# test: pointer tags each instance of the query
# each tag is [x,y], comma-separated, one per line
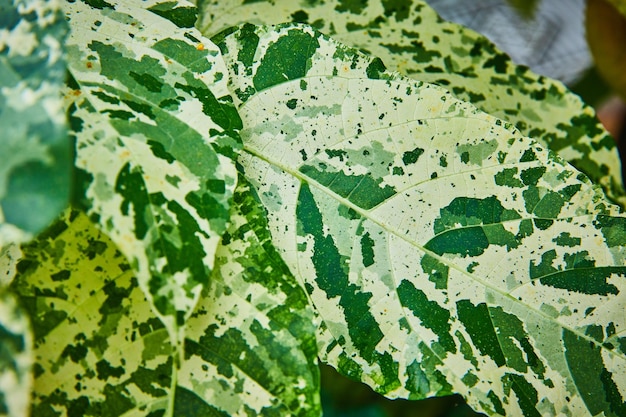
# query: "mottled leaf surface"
[35,168]
[410,37]
[443,251]
[155,136]
[101,351]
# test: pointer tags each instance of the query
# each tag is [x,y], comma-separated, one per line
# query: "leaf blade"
[413,219]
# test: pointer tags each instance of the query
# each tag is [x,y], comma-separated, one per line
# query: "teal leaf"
[100,350]
[36,161]
[156,132]
[411,38]
[441,249]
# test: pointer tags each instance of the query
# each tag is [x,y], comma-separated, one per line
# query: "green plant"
[271,195]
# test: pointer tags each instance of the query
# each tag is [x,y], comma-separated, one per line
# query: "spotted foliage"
[155,134]
[443,251]
[101,351]
[35,168]
[411,38]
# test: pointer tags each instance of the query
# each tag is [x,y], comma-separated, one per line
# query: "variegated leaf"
[101,351]
[443,251]
[15,358]
[156,133]
[35,167]
[410,37]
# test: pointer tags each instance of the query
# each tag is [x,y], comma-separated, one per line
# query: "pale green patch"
[35,168]
[432,278]
[150,104]
[411,38]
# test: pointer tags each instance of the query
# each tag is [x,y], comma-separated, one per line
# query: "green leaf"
[35,168]
[443,251]
[101,351]
[410,37]
[15,358]
[155,136]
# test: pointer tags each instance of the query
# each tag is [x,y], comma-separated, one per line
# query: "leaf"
[101,351]
[443,251]
[15,358]
[156,133]
[410,37]
[35,169]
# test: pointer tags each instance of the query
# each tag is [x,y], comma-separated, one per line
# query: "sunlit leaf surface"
[443,251]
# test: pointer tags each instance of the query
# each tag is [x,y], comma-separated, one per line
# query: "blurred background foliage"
[579,42]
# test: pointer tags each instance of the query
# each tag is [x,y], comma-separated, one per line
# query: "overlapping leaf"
[443,251]
[101,351]
[156,131]
[410,37]
[35,168]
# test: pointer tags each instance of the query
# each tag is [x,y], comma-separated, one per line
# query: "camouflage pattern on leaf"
[35,168]
[15,358]
[443,251]
[101,351]
[410,37]
[155,136]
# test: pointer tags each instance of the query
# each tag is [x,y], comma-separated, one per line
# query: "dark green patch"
[531,176]
[437,271]
[183,17]
[593,381]
[613,229]
[150,82]
[351,6]
[61,276]
[289,58]
[508,178]
[158,150]
[466,211]
[469,241]
[586,280]
[99,4]
[565,239]
[498,62]
[398,8]
[292,103]
[362,190]
[106,371]
[430,314]
[332,277]
[549,206]
[478,323]
[528,156]
[527,396]
[515,343]
[248,42]
[131,186]
[375,69]
[411,157]
[367,250]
